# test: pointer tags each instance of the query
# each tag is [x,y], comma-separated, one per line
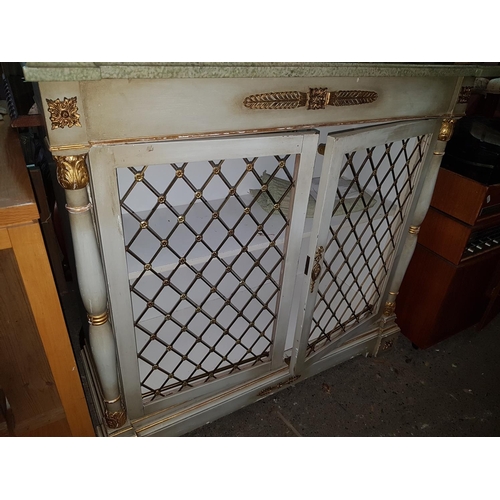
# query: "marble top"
[70,71]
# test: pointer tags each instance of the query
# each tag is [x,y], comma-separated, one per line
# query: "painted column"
[72,175]
[388,324]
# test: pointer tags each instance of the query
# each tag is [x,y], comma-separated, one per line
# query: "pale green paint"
[44,71]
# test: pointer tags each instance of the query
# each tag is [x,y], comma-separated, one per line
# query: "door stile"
[324,205]
[302,178]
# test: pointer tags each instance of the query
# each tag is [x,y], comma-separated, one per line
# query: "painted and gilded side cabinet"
[239,228]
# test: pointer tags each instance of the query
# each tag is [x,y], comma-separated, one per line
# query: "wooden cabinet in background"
[38,375]
[453,279]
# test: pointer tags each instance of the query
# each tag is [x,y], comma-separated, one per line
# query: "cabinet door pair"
[227,259]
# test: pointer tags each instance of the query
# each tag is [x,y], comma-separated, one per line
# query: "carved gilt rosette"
[72,171]
[63,113]
[388,344]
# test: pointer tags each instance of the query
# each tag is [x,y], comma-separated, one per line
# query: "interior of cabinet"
[206,244]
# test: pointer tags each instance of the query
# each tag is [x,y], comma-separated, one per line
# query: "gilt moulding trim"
[273,388]
[72,172]
[316,98]
[68,147]
[63,113]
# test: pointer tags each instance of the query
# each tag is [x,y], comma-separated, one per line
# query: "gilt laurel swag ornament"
[63,113]
[317,98]
[72,172]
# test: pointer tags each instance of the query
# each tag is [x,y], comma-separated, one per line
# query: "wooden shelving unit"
[38,373]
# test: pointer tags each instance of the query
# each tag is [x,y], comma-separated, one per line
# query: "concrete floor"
[451,389]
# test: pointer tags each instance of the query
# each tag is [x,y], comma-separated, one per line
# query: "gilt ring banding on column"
[111,401]
[78,210]
[97,320]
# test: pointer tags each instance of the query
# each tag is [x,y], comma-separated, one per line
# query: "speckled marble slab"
[71,71]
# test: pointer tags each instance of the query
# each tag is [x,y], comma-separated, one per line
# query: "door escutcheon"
[317,267]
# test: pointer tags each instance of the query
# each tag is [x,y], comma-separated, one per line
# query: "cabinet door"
[367,185]
[200,248]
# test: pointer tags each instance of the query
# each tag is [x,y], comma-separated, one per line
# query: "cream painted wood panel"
[126,109]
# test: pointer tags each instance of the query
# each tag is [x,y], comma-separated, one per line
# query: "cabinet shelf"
[164,220]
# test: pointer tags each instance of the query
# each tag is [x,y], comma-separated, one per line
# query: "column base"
[115,419]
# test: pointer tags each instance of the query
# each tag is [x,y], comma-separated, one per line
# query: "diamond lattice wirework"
[205,261]
[374,195]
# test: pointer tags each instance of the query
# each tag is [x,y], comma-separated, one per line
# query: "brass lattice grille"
[374,193]
[204,244]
